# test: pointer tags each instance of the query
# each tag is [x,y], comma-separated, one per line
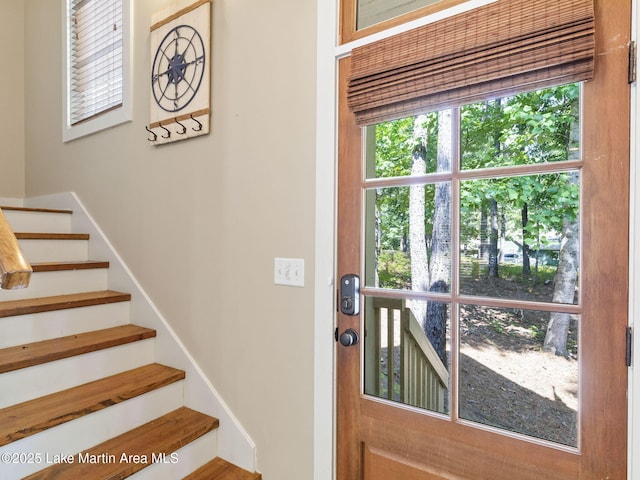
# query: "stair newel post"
[15,271]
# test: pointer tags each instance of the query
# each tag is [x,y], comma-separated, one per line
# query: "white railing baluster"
[391,357]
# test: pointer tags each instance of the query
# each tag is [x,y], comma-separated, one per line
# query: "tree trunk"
[484,235]
[435,326]
[503,234]
[417,241]
[526,261]
[564,290]
[493,225]
[440,265]
[493,240]
[555,340]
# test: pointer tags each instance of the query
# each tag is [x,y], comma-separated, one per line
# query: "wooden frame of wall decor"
[180,75]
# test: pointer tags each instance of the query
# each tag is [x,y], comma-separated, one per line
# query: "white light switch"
[288,271]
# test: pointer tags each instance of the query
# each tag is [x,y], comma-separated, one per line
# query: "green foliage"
[394,270]
[393,148]
[474,269]
[498,326]
[533,127]
[550,199]
[537,333]
[395,143]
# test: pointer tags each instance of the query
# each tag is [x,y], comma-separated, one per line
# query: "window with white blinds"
[97,44]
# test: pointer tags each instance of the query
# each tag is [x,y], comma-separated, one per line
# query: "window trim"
[343,48]
[114,116]
[349,14]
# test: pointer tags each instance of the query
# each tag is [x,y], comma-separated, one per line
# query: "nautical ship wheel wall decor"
[178,68]
[180,73]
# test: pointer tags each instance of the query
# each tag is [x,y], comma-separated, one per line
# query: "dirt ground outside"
[507,381]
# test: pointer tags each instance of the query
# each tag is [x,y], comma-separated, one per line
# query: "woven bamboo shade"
[502,48]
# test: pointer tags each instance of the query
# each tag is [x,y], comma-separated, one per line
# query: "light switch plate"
[288,271]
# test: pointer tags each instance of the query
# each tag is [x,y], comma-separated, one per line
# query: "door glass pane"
[407,352]
[371,12]
[519,237]
[507,380]
[410,146]
[408,244]
[534,127]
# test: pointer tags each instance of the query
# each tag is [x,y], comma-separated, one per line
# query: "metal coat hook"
[199,125]
[155,135]
[168,135]
[184,129]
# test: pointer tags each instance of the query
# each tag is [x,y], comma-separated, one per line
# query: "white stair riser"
[29,383]
[36,327]
[38,222]
[89,430]
[44,284]
[54,250]
[184,461]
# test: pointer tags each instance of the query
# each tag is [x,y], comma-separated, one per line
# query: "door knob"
[349,337]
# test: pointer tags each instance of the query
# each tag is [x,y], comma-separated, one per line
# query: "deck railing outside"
[15,271]
[402,365]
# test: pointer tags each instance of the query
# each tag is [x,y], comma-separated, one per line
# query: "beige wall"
[200,222]
[12,131]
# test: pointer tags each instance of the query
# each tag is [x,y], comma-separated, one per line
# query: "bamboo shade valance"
[495,50]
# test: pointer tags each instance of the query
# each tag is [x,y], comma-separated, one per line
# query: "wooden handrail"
[417,376]
[417,335]
[15,271]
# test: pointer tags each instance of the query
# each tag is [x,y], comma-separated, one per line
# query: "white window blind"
[95,58]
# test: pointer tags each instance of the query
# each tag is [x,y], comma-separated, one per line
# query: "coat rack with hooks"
[178,128]
[180,72]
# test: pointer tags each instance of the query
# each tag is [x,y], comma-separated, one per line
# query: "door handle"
[349,337]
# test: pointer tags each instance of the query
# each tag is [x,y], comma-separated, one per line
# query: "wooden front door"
[476,394]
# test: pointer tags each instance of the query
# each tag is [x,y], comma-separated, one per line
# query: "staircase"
[82,394]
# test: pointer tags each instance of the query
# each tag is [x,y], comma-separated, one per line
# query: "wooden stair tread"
[26,306]
[31,417]
[51,236]
[41,210]
[74,265]
[149,443]
[219,469]
[163,435]
[28,355]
